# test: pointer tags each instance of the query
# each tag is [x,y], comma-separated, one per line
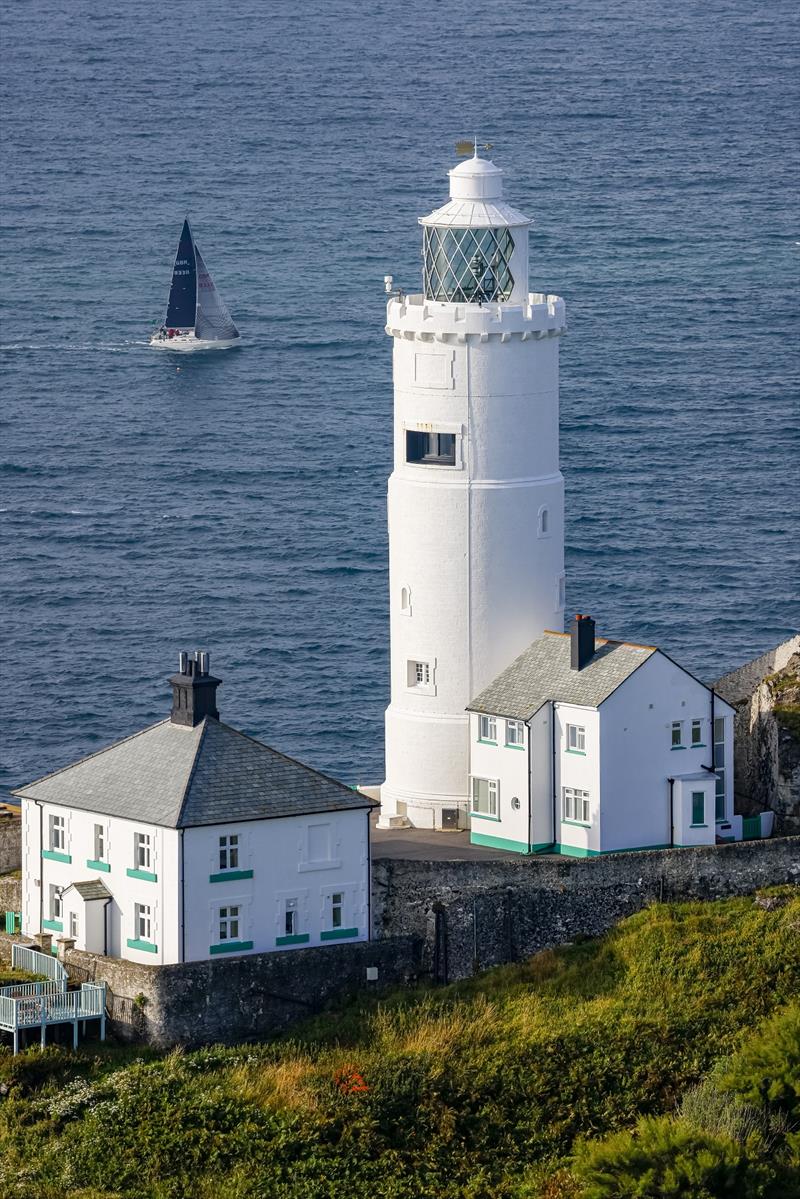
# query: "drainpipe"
[369,878]
[183,908]
[553,749]
[530,813]
[41,867]
[710,768]
[671,814]
[105,926]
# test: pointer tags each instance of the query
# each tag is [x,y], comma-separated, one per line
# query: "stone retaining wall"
[471,915]
[10,843]
[240,998]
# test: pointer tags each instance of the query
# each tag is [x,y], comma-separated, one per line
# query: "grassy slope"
[468,1086]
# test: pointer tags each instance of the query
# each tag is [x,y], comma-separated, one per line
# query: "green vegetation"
[662,1060]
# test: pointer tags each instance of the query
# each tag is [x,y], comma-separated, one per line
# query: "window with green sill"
[485,798]
[677,734]
[487,728]
[515,734]
[697,733]
[576,738]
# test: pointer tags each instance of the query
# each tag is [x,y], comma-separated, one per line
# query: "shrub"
[766,1070]
[666,1159]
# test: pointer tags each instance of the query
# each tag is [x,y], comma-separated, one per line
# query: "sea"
[236,502]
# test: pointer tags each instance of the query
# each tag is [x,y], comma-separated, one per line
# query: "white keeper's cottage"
[190,839]
[585,746]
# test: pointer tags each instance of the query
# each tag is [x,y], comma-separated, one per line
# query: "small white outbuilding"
[584,746]
[190,839]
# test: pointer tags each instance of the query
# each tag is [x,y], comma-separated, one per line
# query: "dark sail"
[183,293]
[213,319]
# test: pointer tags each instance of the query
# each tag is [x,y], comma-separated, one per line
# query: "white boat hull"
[187,343]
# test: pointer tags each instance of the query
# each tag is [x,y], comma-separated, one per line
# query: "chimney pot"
[194,690]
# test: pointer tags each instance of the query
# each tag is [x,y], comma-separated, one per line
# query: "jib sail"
[214,322]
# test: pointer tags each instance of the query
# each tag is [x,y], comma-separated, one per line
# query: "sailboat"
[197,318]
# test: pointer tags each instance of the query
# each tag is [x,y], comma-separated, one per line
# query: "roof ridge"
[190,779]
[96,754]
[286,757]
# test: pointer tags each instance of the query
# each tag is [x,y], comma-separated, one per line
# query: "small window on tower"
[405,601]
[420,676]
[430,449]
[544,522]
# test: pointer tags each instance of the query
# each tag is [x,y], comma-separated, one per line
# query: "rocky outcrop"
[766,696]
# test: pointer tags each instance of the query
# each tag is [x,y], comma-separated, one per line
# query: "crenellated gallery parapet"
[415,318]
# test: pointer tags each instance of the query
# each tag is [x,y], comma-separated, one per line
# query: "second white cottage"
[190,839]
[585,746]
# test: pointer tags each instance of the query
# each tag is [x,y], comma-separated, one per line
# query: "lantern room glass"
[468,266]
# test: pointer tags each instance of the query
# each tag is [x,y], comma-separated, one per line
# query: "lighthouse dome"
[476,199]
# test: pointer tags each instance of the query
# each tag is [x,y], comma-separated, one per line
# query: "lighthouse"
[476,497]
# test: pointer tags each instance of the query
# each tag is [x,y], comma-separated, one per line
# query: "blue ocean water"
[238,504]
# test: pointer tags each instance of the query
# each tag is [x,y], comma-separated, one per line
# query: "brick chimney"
[582,642]
[194,690]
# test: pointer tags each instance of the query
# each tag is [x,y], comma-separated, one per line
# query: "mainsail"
[183,293]
[213,319]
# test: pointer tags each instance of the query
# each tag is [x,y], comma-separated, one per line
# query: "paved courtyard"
[427,845]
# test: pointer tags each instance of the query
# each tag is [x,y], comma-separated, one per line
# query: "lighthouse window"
[544,522]
[467,265]
[431,449]
[420,676]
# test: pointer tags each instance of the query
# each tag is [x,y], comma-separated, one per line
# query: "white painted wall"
[464,539]
[509,766]
[277,852]
[686,831]
[580,771]
[636,754]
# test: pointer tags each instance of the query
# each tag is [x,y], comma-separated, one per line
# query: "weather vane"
[471,148]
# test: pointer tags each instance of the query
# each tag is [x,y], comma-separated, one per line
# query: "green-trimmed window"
[290,918]
[99,843]
[677,734]
[58,834]
[697,732]
[228,922]
[515,732]
[143,922]
[337,909]
[56,902]
[698,807]
[485,798]
[487,728]
[142,851]
[229,852]
[576,738]
[575,805]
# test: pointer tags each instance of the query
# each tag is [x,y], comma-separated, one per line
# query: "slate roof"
[180,777]
[542,673]
[93,888]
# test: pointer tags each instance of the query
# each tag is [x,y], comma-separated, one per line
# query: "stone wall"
[766,696]
[10,843]
[10,896]
[240,998]
[471,915]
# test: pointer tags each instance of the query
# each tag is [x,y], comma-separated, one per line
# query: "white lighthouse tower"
[476,498]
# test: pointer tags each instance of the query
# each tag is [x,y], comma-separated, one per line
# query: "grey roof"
[180,777]
[542,673]
[93,888]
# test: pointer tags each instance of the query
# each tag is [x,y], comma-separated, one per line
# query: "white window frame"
[142,851]
[492,798]
[696,727]
[576,738]
[56,902]
[515,732]
[229,851]
[420,675]
[229,922]
[337,901]
[676,726]
[73,924]
[58,833]
[99,843]
[143,922]
[291,916]
[487,729]
[576,806]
